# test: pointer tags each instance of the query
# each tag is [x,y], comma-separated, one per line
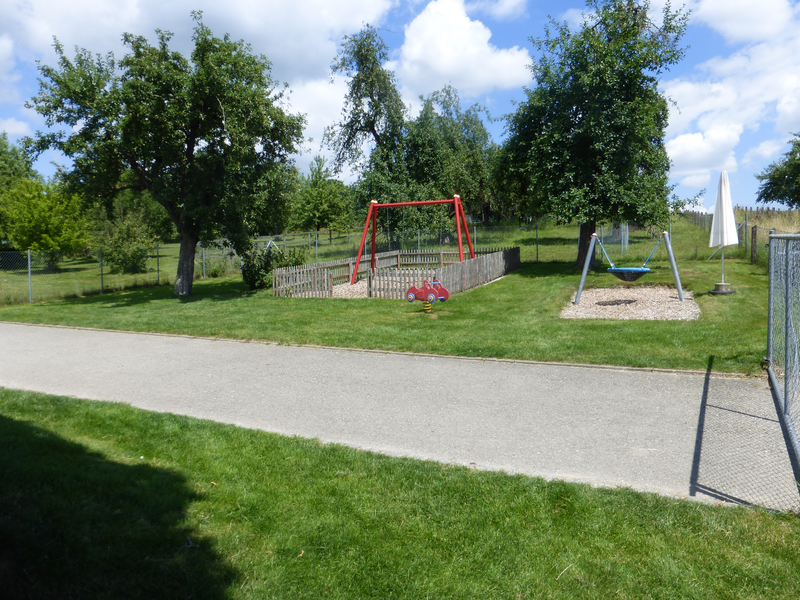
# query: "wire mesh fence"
[33,275]
[784,318]
[541,240]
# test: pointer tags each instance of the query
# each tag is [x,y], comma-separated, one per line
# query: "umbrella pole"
[723,264]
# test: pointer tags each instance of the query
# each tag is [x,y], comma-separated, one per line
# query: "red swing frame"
[372,215]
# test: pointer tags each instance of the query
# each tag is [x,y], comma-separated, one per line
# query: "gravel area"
[647,303]
[345,290]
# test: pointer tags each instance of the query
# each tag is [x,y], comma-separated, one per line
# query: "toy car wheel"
[410,297]
[431,297]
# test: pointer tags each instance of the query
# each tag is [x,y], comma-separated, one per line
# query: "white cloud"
[444,46]
[8,77]
[755,88]
[300,37]
[745,20]
[14,128]
[765,151]
[695,155]
[499,9]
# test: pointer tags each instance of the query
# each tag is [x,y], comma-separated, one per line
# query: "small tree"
[127,242]
[14,166]
[41,216]
[319,203]
[203,136]
[588,142]
[780,182]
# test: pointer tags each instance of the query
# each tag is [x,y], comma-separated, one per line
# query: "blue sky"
[737,91]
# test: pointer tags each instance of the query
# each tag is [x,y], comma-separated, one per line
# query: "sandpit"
[646,303]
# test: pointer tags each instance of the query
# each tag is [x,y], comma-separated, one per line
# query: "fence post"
[158,267]
[746,229]
[771,301]
[754,245]
[102,290]
[30,279]
[787,300]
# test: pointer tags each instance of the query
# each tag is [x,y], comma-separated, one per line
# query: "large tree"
[587,144]
[370,136]
[204,136]
[448,151]
[373,115]
[780,182]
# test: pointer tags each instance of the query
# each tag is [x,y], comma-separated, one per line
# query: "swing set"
[372,216]
[629,273]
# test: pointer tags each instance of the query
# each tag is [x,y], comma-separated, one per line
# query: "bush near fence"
[394,269]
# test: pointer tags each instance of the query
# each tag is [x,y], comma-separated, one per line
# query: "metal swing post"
[673,264]
[374,233]
[456,205]
[589,255]
[363,241]
[466,227]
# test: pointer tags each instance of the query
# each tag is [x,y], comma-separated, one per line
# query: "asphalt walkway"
[680,434]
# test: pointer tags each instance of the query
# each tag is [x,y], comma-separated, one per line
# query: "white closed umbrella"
[723,225]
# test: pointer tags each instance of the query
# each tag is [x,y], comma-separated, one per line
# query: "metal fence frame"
[782,338]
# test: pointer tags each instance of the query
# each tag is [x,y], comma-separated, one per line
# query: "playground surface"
[682,434]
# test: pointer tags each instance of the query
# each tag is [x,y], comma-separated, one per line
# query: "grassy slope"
[516,317]
[113,502]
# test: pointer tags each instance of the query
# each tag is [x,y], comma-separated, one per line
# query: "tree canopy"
[780,182]
[207,137]
[41,216]
[587,144]
[14,166]
[321,202]
[443,151]
[373,112]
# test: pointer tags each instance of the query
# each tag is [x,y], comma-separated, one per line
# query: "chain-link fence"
[33,275]
[784,318]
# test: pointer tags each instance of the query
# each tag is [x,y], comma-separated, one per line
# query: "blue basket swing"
[628,273]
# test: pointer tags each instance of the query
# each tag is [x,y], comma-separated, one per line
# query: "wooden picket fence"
[393,270]
[456,277]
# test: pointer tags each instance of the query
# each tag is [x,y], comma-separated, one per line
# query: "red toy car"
[429,292]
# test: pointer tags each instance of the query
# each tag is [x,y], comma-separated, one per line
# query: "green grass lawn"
[99,500]
[515,318]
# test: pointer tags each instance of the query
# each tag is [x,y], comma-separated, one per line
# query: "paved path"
[678,434]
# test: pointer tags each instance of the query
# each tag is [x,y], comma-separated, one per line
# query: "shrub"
[126,246]
[257,265]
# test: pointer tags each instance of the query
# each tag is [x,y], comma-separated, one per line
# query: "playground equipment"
[372,216]
[428,293]
[629,273]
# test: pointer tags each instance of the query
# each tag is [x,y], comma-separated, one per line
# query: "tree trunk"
[185,276]
[587,229]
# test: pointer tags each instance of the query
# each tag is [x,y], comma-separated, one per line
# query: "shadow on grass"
[76,525]
[209,290]
[548,269]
